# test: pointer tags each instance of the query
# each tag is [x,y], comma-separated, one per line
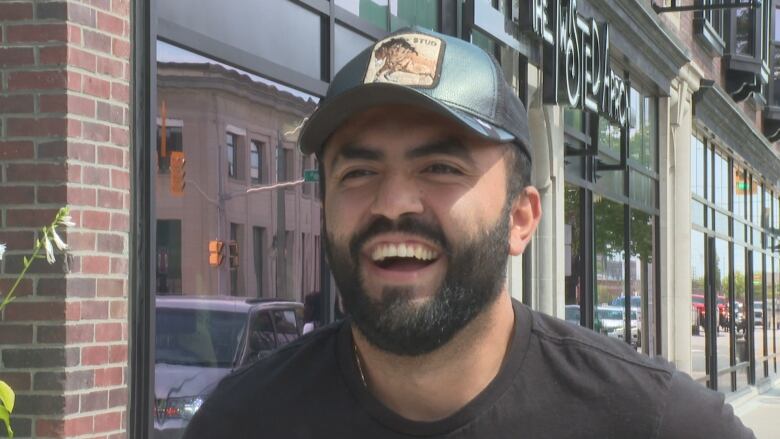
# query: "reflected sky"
[170,53]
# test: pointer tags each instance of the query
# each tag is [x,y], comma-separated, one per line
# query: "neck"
[435,385]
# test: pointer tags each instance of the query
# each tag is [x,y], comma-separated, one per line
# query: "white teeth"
[417,251]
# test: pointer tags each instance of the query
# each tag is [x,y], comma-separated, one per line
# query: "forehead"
[395,128]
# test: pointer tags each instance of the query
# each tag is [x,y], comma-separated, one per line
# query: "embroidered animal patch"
[407,59]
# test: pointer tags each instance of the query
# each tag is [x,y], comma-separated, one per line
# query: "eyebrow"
[445,147]
[439,147]
[357,152]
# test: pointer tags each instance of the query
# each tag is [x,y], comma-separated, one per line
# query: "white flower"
[67,221]
[2,250]
[49,250]
[58,242]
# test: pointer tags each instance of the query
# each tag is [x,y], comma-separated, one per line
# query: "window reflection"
[373,11]
[227,253]
[698,160]
[721,295]
[573,253]
[698,312]
[745,31]
[610,263]
[642,292]
[740,316]
[759,297]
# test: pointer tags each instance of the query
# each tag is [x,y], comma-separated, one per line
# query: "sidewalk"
[761,412]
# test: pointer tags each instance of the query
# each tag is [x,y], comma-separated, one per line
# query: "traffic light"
[177,173]
[216,253]
[233,254]
[741,185]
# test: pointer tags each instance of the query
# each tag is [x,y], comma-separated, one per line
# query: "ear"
[524,217]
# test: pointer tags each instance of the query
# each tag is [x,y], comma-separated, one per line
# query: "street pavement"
[761,412]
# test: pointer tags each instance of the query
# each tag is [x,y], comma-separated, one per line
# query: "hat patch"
[408,59]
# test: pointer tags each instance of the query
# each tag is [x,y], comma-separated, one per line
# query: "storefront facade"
[653,148]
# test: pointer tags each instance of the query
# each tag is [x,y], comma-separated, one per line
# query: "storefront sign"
[576,60]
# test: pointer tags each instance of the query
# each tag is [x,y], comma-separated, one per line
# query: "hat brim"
[337,110]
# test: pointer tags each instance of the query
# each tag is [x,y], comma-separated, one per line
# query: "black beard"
[476,271]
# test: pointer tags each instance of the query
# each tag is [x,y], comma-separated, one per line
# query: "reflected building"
[236,132]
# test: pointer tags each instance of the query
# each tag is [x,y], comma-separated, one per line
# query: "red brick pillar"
[64,140]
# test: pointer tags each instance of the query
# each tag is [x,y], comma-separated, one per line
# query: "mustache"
[411,225]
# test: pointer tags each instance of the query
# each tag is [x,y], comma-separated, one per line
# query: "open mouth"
[403,256]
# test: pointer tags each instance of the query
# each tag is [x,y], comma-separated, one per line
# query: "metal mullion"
[589,252]
[626,233]
[141,306]
[710,306]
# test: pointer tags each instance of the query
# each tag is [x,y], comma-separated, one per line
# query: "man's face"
[417,225]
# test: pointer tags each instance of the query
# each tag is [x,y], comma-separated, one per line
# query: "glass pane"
[610,181]
[745,31]
[722,297]
[649,134]
[482,40]
[573,252]
[698,313]
[423,13]
[373,11]
[609,137]
[741,191]
[636,127]
[697,166]
[740,314]
[173,142]
[219,246]
[759,297]
[697,213]
[573,118]
[255,27]
[348,44]
[720,176]
[721,223]
[642,294]
[642,189]
[610,268]
[755,201]
[739,231]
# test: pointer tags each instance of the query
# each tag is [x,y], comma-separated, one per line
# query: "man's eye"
[441,168]
[357,173]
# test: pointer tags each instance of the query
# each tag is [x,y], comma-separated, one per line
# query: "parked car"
[199,340]
[610,320]
[758,313]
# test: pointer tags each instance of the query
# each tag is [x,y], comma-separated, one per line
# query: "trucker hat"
[422,68]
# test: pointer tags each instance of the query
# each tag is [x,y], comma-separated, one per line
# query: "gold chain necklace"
[359,366]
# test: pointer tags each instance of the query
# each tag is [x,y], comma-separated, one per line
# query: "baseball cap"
[426,69]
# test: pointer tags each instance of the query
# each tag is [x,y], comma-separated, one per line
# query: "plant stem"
[36,250]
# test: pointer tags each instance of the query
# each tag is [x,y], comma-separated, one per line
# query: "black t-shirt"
[557,381]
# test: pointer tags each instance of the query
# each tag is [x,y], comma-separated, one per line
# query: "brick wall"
[64,118]
[711,66]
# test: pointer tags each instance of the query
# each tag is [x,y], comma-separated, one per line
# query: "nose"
[397,194]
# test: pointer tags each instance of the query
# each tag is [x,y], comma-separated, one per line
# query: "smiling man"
[425,164]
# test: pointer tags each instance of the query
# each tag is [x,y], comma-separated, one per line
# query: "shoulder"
[274,386]
[595,351]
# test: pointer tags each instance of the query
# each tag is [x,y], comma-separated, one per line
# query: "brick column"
[64,140]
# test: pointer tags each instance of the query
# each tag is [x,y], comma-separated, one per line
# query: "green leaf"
[7,396]
[26,261]
[5,416]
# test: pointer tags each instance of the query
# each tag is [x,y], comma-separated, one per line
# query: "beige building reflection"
[236,132]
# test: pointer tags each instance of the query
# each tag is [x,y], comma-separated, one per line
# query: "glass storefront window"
[740,316]
[759,316]
[373,11]
[741,189]
[722,297]
[720,180]
[220,247]
[642,283]
[755,201]
[609,137]
[642,130]
[423,13]
[698,160]
[643,189]
[574,119]
[698,312]
[573,239]
[610,263]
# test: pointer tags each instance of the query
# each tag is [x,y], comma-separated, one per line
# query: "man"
[425,167]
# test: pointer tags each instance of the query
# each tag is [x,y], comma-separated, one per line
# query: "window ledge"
[772,123]
[708,37]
